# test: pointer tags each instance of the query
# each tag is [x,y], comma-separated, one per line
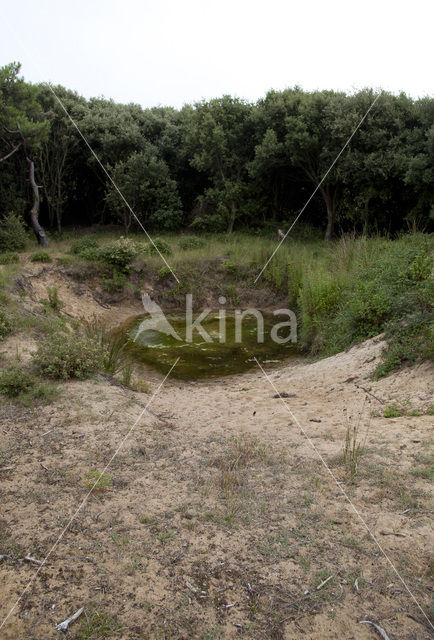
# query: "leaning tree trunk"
[34,211]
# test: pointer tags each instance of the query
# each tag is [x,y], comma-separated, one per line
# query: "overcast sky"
[171,52]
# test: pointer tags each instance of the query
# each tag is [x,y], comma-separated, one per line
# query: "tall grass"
[116,359]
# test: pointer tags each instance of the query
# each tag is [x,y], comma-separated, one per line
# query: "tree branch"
[11,153]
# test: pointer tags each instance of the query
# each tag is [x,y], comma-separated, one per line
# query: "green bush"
[120,253]
[229,266]
[162,246]
[361,287]
[53,301]
[67,355]
[191,242]
[115,284]
[83,244]
[40,256]
[91,254]
[9,258]
[14,381]
[409,340]
[318,302]
[420,268]
[42,393]
[392,411]
[13,235]
[5,324]
[164,272]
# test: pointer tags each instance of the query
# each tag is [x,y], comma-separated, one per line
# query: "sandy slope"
[217,498]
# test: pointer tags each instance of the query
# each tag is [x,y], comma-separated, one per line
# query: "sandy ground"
[219,519]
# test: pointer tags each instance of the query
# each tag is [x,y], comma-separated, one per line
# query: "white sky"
[175,51]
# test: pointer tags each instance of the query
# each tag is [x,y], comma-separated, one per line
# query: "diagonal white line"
[342,490]
[85,499]
[316,189]
[97,159]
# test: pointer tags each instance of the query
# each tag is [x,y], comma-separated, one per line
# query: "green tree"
[22,128]
[58,150]
[310,131]
[145,182]
[218,136]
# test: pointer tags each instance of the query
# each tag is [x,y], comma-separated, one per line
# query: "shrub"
[191,242]
[120,253]
[5,324]
[229,266]
[9,258]
[162,246]
[67,355]
[14,381]
[420,268]
[408,340]
[164,272]
[83,244]
[115,284]
[40,256]
[318,302]
[392,411]
[97,481]
[91,254]
[13,235]
[42,393]
[52,302]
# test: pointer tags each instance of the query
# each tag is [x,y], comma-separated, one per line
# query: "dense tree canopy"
[217,165]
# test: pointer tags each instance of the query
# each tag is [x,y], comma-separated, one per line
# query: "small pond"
[208,355]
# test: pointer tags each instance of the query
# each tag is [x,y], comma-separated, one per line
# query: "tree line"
[217,165]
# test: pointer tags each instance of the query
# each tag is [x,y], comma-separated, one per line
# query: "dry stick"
[323,583]
[63,626]
[32,560]
[380,630]
[371,394]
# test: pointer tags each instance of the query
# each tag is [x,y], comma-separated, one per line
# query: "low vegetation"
[68,355]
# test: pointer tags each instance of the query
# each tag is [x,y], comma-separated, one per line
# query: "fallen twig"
[63,626]
[284,394]
[324,582]
[7,468]
[32,560]
[380,630]
[190,586]
[359,386]
[393,533]
[424,624]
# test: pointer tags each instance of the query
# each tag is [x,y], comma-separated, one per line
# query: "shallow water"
[201,358]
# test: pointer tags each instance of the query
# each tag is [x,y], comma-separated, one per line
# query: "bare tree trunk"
[331,212]
[34,211]
[232,218]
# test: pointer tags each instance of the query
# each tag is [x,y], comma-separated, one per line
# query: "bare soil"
[219,519]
